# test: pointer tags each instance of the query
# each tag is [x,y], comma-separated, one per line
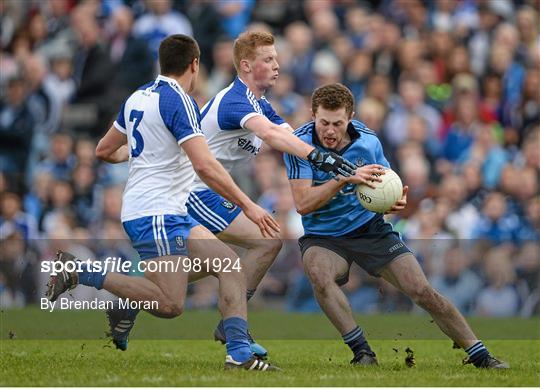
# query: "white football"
[385,194]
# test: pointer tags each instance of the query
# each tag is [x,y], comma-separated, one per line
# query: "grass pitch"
[38,348]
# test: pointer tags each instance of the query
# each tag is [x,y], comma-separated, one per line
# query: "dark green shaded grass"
[33,323]
[179,353]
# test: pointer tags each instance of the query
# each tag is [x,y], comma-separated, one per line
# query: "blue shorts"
[158,236]
[211,210]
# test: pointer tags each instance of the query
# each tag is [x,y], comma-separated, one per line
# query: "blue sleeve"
[235,110]
[379,154]
[180,115]
[271,114]
[297,168]
[120,122]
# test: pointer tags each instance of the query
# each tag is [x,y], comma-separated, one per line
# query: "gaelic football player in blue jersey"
[339,231]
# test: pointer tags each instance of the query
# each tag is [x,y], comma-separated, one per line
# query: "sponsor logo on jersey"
[245,144]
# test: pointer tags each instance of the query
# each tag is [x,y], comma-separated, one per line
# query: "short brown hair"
[247,43]
[176,53]
[332,97]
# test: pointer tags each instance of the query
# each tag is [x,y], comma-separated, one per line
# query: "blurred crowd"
[451,87]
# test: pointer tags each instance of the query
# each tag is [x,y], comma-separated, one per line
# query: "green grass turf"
[163,353]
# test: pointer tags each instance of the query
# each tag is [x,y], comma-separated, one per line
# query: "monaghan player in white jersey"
[236,122]
[158,131]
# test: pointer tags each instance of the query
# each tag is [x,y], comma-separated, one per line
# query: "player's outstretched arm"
[217,178]
[281,138]
[112,147]
[308,198]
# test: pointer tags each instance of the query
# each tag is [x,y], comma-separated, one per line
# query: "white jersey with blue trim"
[157,119]
[223,119]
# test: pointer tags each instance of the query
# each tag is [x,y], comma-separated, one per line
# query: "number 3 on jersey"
[137,142]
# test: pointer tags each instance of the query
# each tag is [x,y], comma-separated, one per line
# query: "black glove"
[331,163]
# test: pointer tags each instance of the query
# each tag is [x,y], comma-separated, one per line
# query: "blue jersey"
[343,213]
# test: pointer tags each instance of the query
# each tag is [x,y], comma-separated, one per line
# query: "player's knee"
[276,245]
[270,246]
[320,279]
[425,296]
[172,309]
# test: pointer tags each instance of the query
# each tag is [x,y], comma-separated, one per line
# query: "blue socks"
[477,353]
[356,341]
[90,278]
[237,339]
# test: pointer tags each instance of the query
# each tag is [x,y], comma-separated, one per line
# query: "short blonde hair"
[247,43]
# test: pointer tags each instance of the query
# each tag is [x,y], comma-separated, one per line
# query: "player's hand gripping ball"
[385,194]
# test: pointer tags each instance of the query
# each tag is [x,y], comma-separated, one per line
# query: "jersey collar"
[247,87]
[353,134]
[171,81]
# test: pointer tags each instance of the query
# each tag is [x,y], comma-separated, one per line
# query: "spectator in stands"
[458,282]
[496,224]
[293,108]
[427,238]
[300,38]
[16,129]
[93,70]
[207,28]
[13,216]
[513,76]
[462,216]
[160,21]
[61,207]
[357,72]
[11,268]
[528,111]
[36,201]
[57,14]
[385,58]
[131,57]
[411,102]
[234,15]
[499,297]
[59,81]
[527,264]
[480,41]
[415,171]
[45,107]
[61,161]
[460,135]
[372,113]
[223,71]
[84,194]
